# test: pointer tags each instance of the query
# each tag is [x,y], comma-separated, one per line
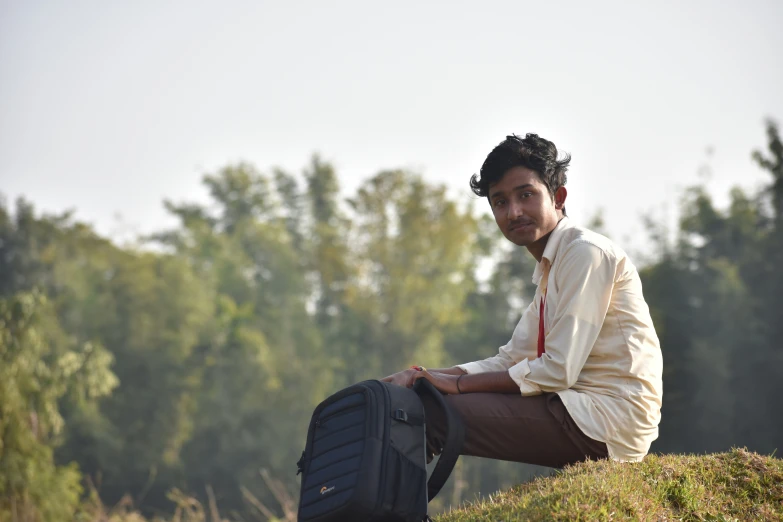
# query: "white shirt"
[602,354]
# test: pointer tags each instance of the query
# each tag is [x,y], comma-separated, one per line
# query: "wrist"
[458,378]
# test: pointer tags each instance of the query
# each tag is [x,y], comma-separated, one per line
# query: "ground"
[738,485]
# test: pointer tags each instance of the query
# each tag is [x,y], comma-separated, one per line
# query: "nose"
[515,210]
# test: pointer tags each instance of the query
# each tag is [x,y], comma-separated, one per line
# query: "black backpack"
[365,458]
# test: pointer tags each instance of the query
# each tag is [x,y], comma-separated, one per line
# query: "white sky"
[109,107]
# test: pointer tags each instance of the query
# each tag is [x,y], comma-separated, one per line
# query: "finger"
[415,376]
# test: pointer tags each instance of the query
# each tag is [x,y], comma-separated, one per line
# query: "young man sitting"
[581,376]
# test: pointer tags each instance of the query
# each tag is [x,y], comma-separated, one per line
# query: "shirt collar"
[550,251]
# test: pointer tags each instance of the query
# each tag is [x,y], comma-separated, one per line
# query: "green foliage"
[416,249]
[716,302]
[36,373]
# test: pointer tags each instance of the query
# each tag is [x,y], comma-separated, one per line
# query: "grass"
[738,485]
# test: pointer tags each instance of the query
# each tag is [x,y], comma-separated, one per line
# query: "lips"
[518,226]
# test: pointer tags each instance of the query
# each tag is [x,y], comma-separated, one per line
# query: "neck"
[537,249]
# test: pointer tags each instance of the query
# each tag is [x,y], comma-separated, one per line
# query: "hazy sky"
[109,107]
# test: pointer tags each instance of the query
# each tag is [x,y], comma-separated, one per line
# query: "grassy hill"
[738,485]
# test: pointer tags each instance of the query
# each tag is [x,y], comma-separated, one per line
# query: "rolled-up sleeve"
[584,278]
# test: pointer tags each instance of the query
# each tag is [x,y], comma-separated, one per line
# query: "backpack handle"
[455,437]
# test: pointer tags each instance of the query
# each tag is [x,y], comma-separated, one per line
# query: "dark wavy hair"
[532,152]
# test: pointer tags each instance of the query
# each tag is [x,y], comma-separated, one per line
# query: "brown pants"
[534,430]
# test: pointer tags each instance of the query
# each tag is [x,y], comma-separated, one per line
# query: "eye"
[527,194]
[499,202]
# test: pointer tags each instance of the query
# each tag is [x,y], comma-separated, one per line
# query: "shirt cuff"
[518,372]
[472,367]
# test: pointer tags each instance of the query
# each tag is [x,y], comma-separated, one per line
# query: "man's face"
[523,208]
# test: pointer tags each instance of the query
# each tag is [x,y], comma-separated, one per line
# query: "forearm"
[488,382]
[454,370]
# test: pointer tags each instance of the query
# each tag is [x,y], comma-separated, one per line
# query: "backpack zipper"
[386,443]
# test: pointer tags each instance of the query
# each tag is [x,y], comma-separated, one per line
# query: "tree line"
[191,362]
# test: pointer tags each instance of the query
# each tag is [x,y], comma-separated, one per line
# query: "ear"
[560,198]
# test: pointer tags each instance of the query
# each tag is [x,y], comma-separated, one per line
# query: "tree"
[715,299]
[259,356]
[36,373]
[414,249]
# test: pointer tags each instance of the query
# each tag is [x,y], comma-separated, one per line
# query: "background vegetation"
[186,367]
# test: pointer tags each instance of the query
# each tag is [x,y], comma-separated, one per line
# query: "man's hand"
[404,378]
[443,382]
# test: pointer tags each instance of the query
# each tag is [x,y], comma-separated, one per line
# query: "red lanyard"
[541,336]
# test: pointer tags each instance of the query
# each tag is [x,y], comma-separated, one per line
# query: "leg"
[534,430]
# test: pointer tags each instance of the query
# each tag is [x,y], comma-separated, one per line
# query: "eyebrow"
[519,187]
